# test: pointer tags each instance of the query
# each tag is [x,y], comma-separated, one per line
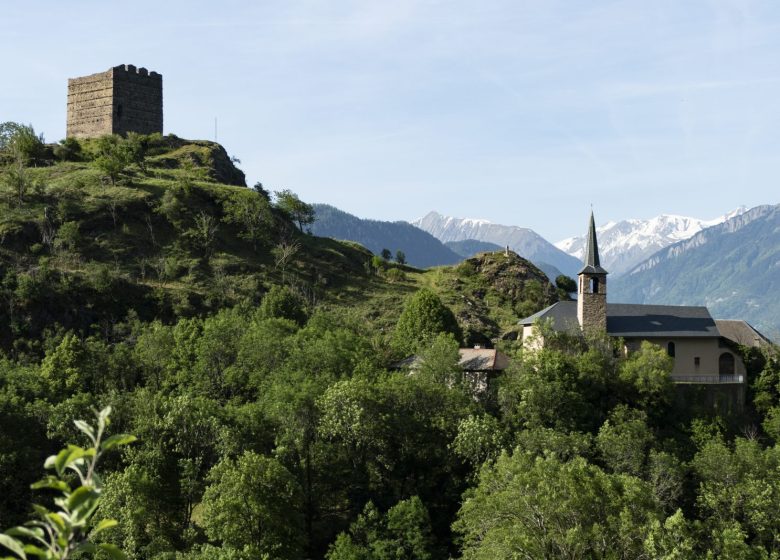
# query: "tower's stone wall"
[121,100]
[592,306]
[91,105]
[138,103]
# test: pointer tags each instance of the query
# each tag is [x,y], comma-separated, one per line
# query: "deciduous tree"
[299,212]
[254,502]
[424,316]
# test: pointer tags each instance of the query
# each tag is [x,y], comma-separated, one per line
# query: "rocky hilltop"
[525,242]
[490,291]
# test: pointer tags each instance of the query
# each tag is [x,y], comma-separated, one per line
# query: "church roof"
[742,332]
[636,321]
[592,263]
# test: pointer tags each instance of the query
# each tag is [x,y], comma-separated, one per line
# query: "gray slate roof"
[632,320]
[592,262]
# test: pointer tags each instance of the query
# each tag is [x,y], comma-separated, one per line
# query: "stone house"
[479,365]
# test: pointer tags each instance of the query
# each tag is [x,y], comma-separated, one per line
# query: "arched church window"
[594,285]
[726,364]
[670,349]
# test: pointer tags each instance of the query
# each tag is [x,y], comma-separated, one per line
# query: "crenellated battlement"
[131,69]
[120,100]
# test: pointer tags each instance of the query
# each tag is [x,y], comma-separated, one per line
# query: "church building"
[704,350]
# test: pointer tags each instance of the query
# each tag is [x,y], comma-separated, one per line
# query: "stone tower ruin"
[120,100]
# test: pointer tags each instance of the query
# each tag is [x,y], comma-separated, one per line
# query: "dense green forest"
[253,363]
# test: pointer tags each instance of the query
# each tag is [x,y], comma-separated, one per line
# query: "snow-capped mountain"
[525,242]
[733,268]
[624,244]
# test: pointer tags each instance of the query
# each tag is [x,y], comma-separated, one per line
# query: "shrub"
[68,150]
[21,143]
[395,275]
[281,303]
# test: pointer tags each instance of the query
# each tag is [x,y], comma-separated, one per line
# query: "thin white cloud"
[652,89]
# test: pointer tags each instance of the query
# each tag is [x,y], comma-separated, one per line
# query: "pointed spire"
[592,252]
[592,264]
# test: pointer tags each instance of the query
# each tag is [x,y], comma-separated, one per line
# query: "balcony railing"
[708,379]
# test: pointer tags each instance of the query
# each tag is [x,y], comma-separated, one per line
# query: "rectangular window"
[696,362]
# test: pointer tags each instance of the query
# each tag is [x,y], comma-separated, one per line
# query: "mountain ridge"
[524,241]
[625,243]
[420,248]
[733,268]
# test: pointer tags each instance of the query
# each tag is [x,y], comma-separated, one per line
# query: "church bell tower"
[592,286]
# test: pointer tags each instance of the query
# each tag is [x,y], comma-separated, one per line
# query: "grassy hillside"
[175,233]
[252,363]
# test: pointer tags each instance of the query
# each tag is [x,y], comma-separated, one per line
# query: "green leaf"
[85,428]
[103,418]
[81,464]
[36,533]
[57,520]
[117,440]
[86,547]
[36,551]
[104,524]
[113,551]
[52,483]
[13,545]
[67,456]
[82,501]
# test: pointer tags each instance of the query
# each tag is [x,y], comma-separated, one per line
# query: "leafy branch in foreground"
[69,529]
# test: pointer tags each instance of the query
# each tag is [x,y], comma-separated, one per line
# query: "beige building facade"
[704,350]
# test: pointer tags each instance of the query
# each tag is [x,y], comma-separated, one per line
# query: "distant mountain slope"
[733,268]
[624,244]
[421,249]
[525,242]
[470,247]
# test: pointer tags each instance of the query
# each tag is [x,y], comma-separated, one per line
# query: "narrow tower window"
[119,111]
[594,285]
[670,349]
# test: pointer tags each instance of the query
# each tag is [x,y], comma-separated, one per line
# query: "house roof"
[636,321]
[563,316]
[471,359]
[592,262]
[482,359]
[741,332]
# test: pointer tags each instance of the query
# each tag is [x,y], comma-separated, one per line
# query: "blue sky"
[524,113]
